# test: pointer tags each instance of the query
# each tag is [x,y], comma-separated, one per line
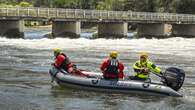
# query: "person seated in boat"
[63,63]
[112,68]
[143,67]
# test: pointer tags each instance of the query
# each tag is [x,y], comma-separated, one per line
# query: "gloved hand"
[146,70]
[161,73]
[74,66]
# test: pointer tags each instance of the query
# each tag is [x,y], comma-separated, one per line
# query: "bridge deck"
[57,13]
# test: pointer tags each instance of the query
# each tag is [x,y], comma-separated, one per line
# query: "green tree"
[118,5]
[67,3]
[141,5]
[25,4]
[178,6]
[129,5]
[166,5]
[87,4]
[185,6]
[104,5]
[42,3]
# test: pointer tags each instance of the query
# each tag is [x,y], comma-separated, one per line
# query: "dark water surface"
[25,84]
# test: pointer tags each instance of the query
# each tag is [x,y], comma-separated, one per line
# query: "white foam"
[175,46]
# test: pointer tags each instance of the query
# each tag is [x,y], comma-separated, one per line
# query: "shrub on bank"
[6,5]
[21,4]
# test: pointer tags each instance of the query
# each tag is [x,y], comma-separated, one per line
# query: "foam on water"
[25,62]
[172,46]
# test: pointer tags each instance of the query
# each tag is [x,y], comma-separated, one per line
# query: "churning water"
[25,83]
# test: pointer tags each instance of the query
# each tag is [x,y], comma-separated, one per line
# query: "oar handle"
[159,75]
[63,71]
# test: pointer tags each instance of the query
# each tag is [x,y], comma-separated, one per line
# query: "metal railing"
[31,12]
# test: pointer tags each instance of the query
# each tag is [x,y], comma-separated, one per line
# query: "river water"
[25,83]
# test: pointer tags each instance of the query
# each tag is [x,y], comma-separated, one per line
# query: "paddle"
[159,75]
[163,78]
[62,71]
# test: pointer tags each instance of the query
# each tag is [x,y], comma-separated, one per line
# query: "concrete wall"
[66,28]
[12,28]
[112,29]
[153,30]
[183,30]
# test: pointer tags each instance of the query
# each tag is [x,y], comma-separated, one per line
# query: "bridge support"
[12,28]
[66,29]
[183,30]
[112,30]
[150,30]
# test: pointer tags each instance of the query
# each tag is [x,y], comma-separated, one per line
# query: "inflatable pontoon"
[170,86]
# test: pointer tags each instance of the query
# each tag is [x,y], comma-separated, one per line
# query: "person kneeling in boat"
[63,63]
[143,67]
[112,68]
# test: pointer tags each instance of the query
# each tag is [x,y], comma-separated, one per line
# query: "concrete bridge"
[110,23]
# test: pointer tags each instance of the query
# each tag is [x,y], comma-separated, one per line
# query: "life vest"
[66,62]
[142,75]
[148,64]
[112,68]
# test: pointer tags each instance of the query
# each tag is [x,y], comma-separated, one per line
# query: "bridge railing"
[95,14]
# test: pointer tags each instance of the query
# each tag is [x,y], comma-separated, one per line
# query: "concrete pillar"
[183,30]
[150,30]
[112,30]
[12,28]
[66,29]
